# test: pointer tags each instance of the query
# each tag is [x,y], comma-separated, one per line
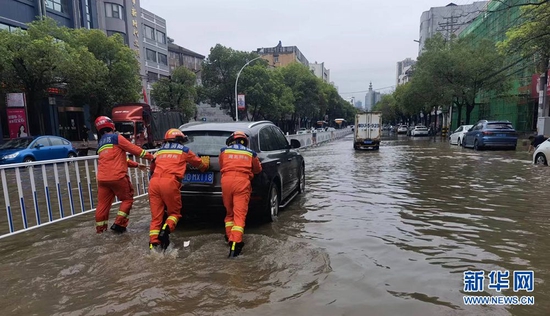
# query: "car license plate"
[368,142]
[199,178]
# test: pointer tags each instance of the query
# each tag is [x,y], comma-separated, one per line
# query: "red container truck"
[142,126]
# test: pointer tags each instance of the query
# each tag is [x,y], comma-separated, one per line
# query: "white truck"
[368,129]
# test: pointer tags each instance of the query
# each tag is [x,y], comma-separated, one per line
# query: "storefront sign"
[15,100]
[17,122]
[135,27]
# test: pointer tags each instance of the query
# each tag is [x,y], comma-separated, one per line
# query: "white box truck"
[368,129]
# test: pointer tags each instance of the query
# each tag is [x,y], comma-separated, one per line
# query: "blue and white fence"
[40,193]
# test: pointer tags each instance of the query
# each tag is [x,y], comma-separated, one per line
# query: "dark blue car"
[27,149]
[491,134]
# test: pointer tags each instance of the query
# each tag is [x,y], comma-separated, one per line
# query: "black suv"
[282,177]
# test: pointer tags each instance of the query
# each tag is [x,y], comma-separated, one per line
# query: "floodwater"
[377,233]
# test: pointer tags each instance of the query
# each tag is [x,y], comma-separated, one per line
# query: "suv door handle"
[278,162]
[290,159]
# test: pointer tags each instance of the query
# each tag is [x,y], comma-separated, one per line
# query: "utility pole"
[449,26]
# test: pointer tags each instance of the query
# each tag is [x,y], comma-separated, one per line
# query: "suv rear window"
[206,143]
[499,126]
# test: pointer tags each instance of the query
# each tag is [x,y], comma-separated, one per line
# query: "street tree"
[388,107]
[38,61]
[177,92]
[305,89]
[459,69]
[119,83]
[267,97]
[219,73]
[531,38]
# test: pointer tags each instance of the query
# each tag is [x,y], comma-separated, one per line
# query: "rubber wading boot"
[235,249]
[154,247]
[118,229]
[164,237]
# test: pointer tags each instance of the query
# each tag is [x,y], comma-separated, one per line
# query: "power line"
[384,88]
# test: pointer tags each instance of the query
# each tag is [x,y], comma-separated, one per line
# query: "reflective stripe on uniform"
[169,151]
[106,146]
[154,232]
[101,223]
[173,219]
[238,152]
[143,153]
[121,213]
[238,229]
[229,224]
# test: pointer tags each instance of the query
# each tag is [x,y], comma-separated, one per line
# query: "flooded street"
[388,232]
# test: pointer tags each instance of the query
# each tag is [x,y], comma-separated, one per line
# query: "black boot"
[154,247]
[164,237]
[118,229]
[235,249]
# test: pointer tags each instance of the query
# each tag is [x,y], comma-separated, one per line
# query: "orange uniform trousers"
[236,190]
[164,193]
[106,192]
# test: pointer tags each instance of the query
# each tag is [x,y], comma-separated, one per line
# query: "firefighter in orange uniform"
[112,175]
[168,169]
[238,165]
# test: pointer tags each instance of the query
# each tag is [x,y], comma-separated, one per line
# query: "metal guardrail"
[45,192]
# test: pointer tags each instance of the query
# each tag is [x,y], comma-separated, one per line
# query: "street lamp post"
[236,83]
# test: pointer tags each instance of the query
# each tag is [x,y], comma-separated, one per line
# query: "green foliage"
[95,69]
[388,107]
[532,36]
[276,94]
[177,92]
[458,70]
[219,73]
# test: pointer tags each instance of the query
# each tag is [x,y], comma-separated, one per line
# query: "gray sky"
[359,40]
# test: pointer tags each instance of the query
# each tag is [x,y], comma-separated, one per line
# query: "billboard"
[17,115]
[240,102]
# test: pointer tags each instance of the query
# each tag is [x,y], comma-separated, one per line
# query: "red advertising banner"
[17,122]
[240,102]
[535,85]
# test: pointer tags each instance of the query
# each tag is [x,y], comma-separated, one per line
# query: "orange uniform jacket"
[240,159]
[172,159]
[113,163]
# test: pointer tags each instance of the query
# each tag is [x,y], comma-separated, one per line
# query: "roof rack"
[258,123]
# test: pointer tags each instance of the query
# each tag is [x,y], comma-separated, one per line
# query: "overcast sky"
[359,40]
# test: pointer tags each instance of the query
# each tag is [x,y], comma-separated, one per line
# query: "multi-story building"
[404,70]
[155,48]
[359,105]
[448,20]
[180,56]
[59,116]
[520,104]
[371,98]
[319,70]
[280,56]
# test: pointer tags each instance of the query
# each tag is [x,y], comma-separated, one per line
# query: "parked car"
[302,131]
[491,134]
[282,177]
[402,129]
[419,130]
[28,149]
[542,153]
[458,135]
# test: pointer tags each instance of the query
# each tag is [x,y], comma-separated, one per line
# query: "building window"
[88,14]
[152,77]
[275,59]
[149,32]
[161,37]
[151,55]
[113,10]
[163,59]
[124,37]
[57,5]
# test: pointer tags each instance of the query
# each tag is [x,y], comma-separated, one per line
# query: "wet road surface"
[376,233]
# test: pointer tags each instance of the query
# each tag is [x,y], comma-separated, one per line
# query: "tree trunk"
[459,110]
[469,108]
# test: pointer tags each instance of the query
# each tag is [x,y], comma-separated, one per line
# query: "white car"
[542,153]
[402,129]
[458,135]
[419,131]
[302,131]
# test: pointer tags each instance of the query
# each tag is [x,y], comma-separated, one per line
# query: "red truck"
[142,126]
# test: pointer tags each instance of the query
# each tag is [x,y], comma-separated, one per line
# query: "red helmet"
[237,137]
[104,122]
[175,135]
